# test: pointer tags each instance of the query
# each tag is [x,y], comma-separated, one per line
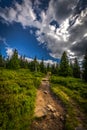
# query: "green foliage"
[34,65]
[70,123]
[73,93]
[42,67]
[54,69]
[77,85]
[64,69]
[85,67]
[76,69]
[17,98]
[2,61]
[23,62]
[13,63]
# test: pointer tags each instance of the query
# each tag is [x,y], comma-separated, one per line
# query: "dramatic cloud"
[23,14]
[70,35]
[62,9]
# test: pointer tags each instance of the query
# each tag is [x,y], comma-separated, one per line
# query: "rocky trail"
[49,113]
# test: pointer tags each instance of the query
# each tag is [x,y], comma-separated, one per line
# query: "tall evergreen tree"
[13,62]
[64,69]
[85,67]
[53,69]
[48,67]
[34,65]
[76,69]
[42,67]
[23,62]
[2,61]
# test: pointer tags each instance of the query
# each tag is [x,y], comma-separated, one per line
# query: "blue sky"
[43,28]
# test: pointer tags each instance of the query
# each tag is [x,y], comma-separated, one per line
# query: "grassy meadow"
[18,93]
[73,94]
[17,98]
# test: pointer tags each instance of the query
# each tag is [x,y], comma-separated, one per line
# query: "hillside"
[28,101]
[73,94]
[17,98]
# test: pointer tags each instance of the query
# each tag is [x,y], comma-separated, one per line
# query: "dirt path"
[49,113]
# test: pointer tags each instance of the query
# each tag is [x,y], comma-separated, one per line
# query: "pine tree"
[76,69]
[2,61]
[64,69]
[85,67]
[13,62]
[57,68]
[34,65]
[54,69]
[42,67]
[48,68]
[23,62]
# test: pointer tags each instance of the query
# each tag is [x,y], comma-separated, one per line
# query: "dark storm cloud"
[63,8]
[81,5]
[77,32]
[80,47]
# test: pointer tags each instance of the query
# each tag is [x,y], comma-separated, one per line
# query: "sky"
[43,28]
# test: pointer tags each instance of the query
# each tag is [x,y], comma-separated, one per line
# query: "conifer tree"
[64,69]
[48,67]
[85,67]
[76,69]
[34,65]
[23,62]
[42,67]
[53,69]
[13,62]
[2,61]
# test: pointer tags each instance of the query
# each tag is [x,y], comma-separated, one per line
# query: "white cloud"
[9,52]
[85,35]
[28,59]
[74,42]
[3,40]
[23,14]
[51,62]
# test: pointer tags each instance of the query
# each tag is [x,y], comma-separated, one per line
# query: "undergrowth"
[73,93]
[17,98]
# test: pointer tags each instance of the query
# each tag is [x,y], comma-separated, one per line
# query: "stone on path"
[51,108]
[41,112]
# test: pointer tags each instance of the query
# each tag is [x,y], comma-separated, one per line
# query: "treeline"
[15,62]
[64,68]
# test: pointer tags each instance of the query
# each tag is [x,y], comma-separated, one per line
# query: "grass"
[17,98]
[73,93]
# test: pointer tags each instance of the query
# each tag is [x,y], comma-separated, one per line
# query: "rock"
[50,108]
[41,113]
[56,114]
[61,118]
[45,92]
